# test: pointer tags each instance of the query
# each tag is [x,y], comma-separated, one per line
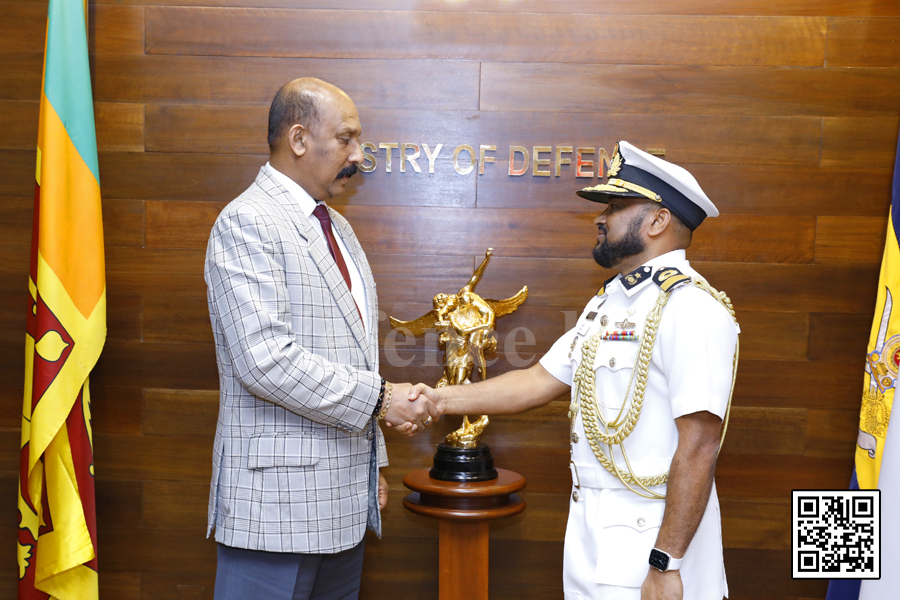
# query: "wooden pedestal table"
[464,511]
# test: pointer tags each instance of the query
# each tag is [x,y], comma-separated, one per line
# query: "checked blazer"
[297,452]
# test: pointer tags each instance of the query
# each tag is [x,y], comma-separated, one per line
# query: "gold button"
[574,437]
[576,496]
[604,320]
[641,521]
[612,361]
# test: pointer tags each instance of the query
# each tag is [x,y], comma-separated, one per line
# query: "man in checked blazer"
[292,302]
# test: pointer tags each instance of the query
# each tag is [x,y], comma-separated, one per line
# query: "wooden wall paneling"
[401,560]
[20,77]
[17,172]
[177,319]
[124,317]
[528,233]
[231,129]
[154,458]
[118,126]
[773,335]
[181,224]
[763,525]
[850,240]
[16,214]
[863,42]
[847,141]
[735,189]
[511,37]
[122,586]
[778,583]
[765,430]
[832,432]
[157,551]
[10,455]
[165,586]
[867,8]
[180,412]
[146,176]
[117,29]
[517,565]
[177,505]
[558,282]
[752,286]
[794,288]
[18,124]
[759,476]
[116,409]
[445,188]
[706,90]
[12,315]
[750,238]
[226,80]
[187,366]
[799,384]
[687,138]
[405,278]
[796,191]
[123,222]
[119,502]
[22,27]
[12,377]
[720,140]
[839,336]
[148,271]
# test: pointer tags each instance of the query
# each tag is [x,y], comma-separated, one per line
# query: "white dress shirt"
[307,205]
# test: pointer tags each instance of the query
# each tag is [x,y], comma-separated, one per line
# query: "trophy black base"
[463,464]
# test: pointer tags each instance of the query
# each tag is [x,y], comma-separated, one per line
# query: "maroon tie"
[321,213]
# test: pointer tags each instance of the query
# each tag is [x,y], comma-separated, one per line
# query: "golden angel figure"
[466,324]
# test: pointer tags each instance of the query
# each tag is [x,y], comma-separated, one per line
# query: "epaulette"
[669,278]
[602,289]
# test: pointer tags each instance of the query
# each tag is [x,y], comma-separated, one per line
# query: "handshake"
[412,408]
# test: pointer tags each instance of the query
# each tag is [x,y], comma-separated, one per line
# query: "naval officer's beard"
[608,254]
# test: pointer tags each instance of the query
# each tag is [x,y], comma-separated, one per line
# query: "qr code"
[836,534]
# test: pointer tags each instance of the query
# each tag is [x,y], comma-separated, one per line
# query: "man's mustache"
[348,172]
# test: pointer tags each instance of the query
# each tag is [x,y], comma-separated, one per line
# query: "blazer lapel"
[362,263]
[318,251]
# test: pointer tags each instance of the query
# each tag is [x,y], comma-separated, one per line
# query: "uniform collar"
[304,201]
[635,281]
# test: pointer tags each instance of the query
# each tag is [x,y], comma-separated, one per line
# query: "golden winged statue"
[466,322]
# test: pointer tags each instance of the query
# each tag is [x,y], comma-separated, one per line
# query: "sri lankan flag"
[883,358]
[65,327]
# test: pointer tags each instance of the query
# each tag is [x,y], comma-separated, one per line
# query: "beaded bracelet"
[380,398]
[388,395]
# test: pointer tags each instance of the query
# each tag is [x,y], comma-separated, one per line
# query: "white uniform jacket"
[611,530]
[296,453]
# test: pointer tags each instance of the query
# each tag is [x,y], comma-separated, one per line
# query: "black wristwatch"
[663,561]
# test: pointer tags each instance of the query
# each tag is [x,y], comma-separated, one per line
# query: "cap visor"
[605,196]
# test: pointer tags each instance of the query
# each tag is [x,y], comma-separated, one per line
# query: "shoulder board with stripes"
[669,278]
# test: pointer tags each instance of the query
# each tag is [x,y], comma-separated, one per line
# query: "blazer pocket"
[630,525]
[283,450]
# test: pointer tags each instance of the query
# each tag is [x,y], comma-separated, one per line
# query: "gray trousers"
[248,574]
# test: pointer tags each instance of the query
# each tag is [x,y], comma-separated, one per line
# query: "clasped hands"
[412,408]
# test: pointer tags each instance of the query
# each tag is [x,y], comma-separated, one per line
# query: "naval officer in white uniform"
[650,364]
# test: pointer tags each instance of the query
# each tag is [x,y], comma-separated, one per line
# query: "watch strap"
[658,558]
